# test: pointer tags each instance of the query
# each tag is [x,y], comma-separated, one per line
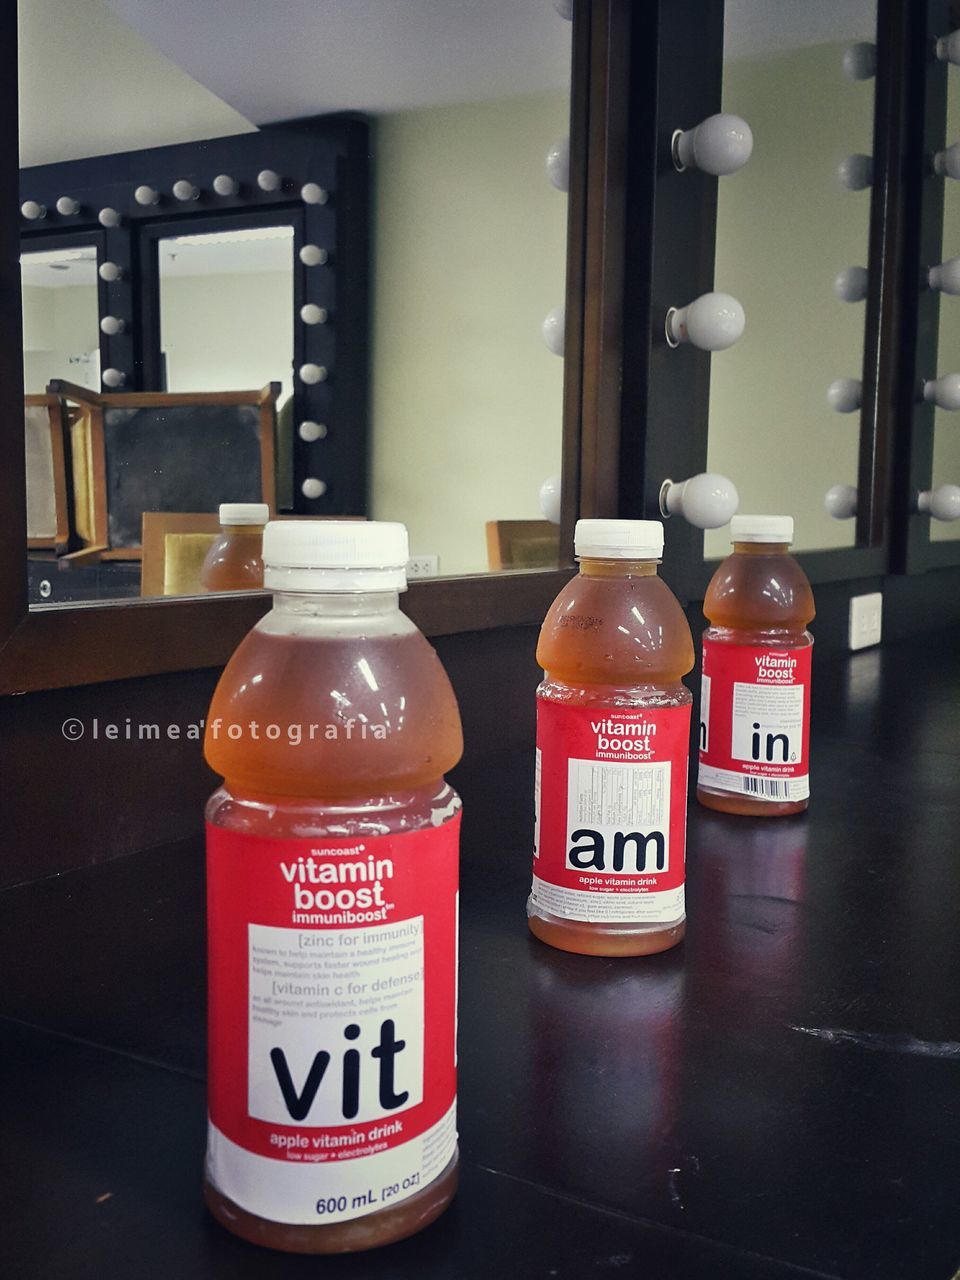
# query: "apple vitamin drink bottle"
[613,729]
[235,559]
[332,906]
[755,695]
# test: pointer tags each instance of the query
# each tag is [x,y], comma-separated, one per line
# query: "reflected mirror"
[791,246]
[208,365]
[946,428]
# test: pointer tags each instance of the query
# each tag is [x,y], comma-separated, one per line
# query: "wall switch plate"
[423,566]
[866,620]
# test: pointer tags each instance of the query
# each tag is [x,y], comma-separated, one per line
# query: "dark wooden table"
[779,1097]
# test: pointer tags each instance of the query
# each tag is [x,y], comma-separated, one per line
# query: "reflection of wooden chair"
[147,451]
[48,517]
[174,546]
[523,544]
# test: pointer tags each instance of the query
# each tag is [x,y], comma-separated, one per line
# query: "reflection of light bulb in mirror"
[312,374]
[313,488]
[225,185]
[840,501]
[856,172]
[311,431]
[313,193]
[860,61]
[108,217]
[850,284]
[942,503]
[948,48]
[312,314]
[944,391]
[67,206]
[947,163]
[311,255]
[553,330]
[712,322]
[146,195]
[550,499]
[720,145]
[268,180]
[113,378]
[33,211]
[707,501]
[558,164]
[112,325]
[945,276]
[845,395]
[185,191]
[110,272]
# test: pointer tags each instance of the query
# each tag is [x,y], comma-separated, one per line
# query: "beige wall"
[60,329]
[785,228]
[469,256]
[228,332]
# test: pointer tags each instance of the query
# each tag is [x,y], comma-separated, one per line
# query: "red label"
[755,720]
[611,812]
[332,1018]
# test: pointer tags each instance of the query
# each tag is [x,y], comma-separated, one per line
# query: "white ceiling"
[99,76]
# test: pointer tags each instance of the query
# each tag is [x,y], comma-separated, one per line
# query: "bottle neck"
[591,567]
[340,604]
[247,529]
[761,548]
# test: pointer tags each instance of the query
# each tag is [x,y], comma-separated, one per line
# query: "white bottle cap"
[244,513]
[335,555]
[619,539]
[761,529]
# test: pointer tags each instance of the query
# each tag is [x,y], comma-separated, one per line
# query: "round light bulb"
[720,145]
[840,501]
[850,284]
[946,163]
[707,501]
[113,378]
[311,431]
[855,172]
[311,255]
[67,206]
[558,164]
[108,217]
[549,497]
[146,195]
[712,322]
[313,488]
[33,211]
[185,191]
[109,271]
[944,391]
[313,193]
[845,395]
[943,503]
[311,374]
[312,314]
[112,325]
[945,276]
[552,330]
[268,180]
[860,61]
[224,185]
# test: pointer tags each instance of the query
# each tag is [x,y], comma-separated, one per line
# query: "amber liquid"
[234,561]
[616,636]
[333,672]
[758,596]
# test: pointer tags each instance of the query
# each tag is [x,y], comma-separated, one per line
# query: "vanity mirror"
[395,258]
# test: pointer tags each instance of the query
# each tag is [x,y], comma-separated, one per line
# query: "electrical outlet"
[423,566]
[866,620]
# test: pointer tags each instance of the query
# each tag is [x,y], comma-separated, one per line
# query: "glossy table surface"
[778,1097]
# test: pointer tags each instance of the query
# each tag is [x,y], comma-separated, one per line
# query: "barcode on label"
[779,790]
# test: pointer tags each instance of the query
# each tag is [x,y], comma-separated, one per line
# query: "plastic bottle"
[234,561]
[332,891]
[755,696]
[613,730]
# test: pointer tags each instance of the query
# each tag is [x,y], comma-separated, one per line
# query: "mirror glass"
[467,242]
[786,227]
[61,321]
[946,429]
[226,309]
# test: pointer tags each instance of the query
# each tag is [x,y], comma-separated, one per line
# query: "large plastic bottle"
[234,561]
[755,695]
[332,906]
[613,728]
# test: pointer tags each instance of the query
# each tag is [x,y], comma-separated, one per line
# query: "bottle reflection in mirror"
[234,561]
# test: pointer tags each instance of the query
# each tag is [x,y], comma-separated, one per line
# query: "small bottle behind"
[755,695]
[613,730]
[235,559]
[332,857]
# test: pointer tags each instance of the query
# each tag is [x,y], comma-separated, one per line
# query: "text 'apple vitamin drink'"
[332,856]
[755,696]
[613,727]
[235,559]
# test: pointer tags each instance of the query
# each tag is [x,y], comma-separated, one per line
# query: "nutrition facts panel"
[601,795]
